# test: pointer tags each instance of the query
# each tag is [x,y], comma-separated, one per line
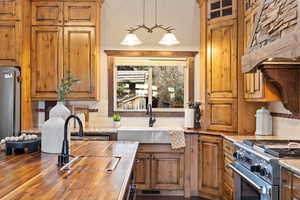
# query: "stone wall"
[278,17]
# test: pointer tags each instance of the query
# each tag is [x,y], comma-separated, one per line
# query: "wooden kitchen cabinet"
[228,176]
[222,62]
[80,13]
[10,41]
[211,166]
[79,59]
[69,33]
[142,172]
[10,10]
[158,167]
[222,114]
[220,10]
[47,60]
[167,171]
[47,13]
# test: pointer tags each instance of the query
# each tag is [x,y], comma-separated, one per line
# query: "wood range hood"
[275,49]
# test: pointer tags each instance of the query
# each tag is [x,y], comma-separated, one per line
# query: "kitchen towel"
[177,138]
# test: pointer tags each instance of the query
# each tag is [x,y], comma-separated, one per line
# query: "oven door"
[248,186]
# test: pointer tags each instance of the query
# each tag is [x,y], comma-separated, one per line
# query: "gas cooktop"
[277,148]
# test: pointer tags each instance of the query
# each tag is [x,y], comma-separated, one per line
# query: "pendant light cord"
[144,8]
[155,12]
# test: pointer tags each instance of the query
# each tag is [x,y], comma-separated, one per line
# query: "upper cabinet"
[10,32]
[80,13]
[10,9]
[46,70]
[79,59]
[222,62]
[69,33]
[47,13]
[10,42]
[221,10]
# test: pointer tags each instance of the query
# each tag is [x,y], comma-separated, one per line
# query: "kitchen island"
[36,176]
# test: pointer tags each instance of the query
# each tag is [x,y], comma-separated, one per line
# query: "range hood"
[275,49]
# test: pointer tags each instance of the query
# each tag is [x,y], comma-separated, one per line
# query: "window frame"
[112,54]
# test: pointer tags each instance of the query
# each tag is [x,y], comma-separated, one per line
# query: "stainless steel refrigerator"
[10,101]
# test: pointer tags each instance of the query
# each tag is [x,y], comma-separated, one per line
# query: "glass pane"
[227,11]
[168,87]
[226,3]
[215,5]
[248,192]
[215,14]
[132,87]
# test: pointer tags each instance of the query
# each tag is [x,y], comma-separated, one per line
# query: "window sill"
[143,114]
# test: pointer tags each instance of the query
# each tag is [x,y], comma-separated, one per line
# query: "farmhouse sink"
[144,135]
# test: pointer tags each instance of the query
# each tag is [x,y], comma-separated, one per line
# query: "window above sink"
[138,78]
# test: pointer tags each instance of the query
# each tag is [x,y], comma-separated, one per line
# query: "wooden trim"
[121,53]
[285,115]
[143,114]
[115,53]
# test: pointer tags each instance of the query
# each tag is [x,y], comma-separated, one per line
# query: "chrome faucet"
[64,157]
[152,119]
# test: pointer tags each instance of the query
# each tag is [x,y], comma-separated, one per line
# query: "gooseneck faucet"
[64,157]
[152,119]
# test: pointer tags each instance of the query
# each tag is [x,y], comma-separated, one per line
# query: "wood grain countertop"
[208,132]
[36,176]
[96,131]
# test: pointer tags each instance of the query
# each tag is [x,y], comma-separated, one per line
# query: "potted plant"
[117,120]
[63,90]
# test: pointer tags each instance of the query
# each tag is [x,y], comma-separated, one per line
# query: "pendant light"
[169,38]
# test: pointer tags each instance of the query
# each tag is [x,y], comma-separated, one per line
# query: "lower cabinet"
[167,171]
[159,171]
[290,185]
[211,166]
[228,176]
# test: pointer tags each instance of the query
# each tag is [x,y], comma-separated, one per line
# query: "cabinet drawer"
[227,170]
[296,186]
[47,13]
[228,192]
[228,147]
[80,14]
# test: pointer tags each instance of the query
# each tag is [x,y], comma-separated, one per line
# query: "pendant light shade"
[131,40]
[169,39]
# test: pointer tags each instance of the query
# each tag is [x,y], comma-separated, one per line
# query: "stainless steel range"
[257,172]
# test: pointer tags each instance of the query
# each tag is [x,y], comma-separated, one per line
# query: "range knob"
[263,172]
[255,168]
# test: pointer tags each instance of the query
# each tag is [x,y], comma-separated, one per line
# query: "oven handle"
[261,189]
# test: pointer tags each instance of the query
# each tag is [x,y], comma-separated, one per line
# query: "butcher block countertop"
[36,176]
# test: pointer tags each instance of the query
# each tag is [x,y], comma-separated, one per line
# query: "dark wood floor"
[164,198]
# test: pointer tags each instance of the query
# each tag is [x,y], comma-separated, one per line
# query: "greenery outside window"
[163,82]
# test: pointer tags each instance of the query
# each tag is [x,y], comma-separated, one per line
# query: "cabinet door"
[211,165]
[167,171]
[80,13]
[286,184]
[222,114]
[141,172]
[47,13]
[220,10]
[79,60]
[222,60]
[46,61]
[10,43]
[295,187]
[10,9]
